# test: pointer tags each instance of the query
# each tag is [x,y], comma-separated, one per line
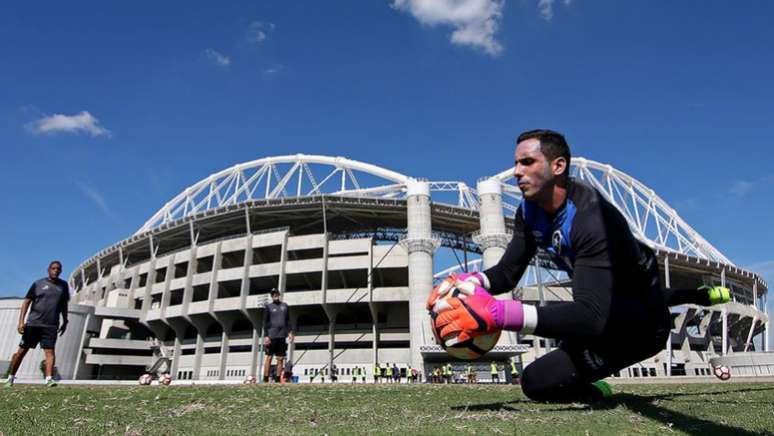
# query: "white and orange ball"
[145,379]
[250,380]
[722,372]
[471,349]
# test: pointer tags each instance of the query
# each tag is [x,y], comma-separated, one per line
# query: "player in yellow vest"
[514,373]
[495,372]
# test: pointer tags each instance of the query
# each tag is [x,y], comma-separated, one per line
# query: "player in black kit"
[276,327]
[619,314]
[46,300]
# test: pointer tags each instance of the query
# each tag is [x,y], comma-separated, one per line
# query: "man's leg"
[266,368]
[16,360]
[569,373]
[50,361]
[279,369]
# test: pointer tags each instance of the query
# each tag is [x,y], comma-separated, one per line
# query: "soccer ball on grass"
[722,372]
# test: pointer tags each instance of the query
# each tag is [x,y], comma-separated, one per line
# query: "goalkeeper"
[619,314]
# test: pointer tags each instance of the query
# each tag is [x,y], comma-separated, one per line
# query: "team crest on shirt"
[556,241]
[537,234]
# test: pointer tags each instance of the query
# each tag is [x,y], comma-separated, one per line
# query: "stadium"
[355,250]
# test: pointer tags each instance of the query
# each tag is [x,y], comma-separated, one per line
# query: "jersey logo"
[556,241]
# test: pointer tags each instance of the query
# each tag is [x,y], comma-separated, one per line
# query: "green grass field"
[345,409]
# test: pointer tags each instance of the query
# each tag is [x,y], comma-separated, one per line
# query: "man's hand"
[266,341]
[20,328]
[62,328]
[464,284]
[463,318]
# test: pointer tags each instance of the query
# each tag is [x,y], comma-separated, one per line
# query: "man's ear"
[558,165]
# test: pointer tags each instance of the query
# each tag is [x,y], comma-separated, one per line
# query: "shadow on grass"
[645,406]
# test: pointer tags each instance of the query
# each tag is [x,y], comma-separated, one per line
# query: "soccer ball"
[722,372]
[165,379]
[145,379]
[471,349]
[250,380]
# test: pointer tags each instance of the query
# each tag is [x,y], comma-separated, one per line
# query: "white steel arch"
[651,219]
[295,176]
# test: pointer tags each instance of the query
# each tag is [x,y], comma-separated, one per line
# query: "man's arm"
[586,316]
[25,307]
[23,314]
[63,310]
[266,339]
[291,328]
[506,274]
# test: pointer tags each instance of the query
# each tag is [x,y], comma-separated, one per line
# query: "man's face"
[275,298]
[54,270]
[532,171]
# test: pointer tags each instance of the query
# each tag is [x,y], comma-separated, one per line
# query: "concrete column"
[197,366]
[176,355]
[150,278]
[420,244]
[216,261]
[165,294]
[223,353]
[331,343]
[724,348]
[188,290]
[750,334]
[98,283]
[667,281]
[245,289]
[492,237]
[254,356]
[766,332]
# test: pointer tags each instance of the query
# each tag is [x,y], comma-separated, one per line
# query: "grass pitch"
[726,408]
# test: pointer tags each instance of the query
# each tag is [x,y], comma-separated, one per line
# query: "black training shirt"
[590,240]
[49,299]
[276,320]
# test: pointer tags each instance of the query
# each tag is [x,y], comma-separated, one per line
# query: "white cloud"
[274,69]
[82,122]
[475,22]
[92,194]
[546,8]
[217,58]
[259,31]
[741,187]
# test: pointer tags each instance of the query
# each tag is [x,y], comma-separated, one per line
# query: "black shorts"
[278,347]
[34,335]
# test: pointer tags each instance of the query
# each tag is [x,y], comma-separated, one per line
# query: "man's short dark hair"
[55,262]
[274,291]
[552,144]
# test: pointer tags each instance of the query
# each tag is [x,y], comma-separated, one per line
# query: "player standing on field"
[276,325]
[46,300]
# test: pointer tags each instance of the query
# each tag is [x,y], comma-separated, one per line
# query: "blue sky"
[153,96]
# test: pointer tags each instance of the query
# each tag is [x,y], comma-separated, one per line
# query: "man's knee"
[530,383]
